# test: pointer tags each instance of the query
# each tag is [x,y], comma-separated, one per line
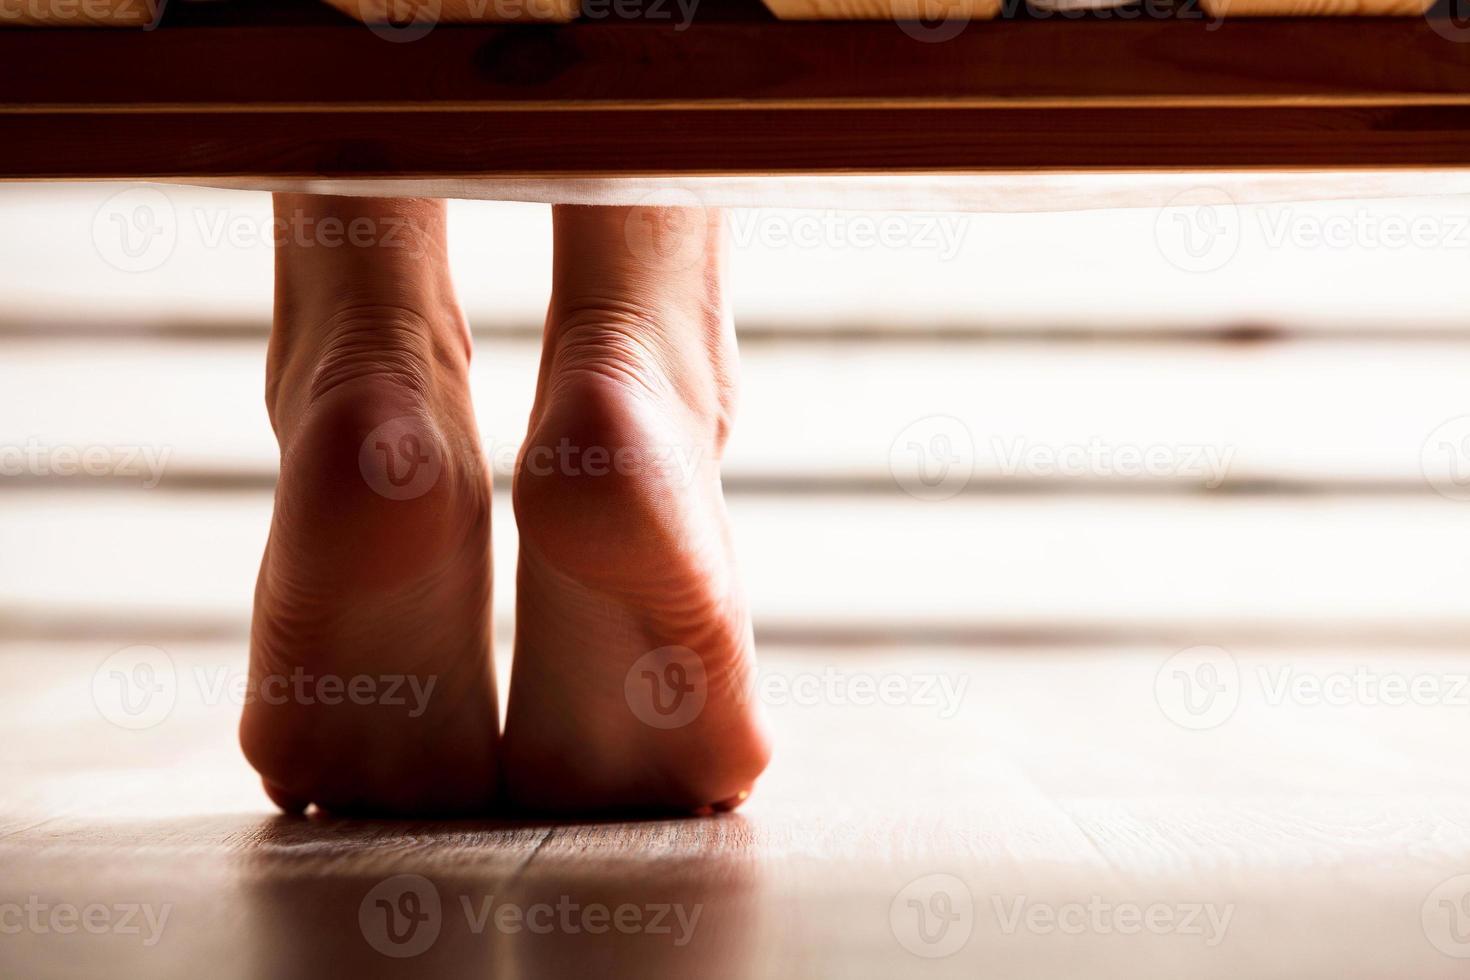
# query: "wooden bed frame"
[215,93]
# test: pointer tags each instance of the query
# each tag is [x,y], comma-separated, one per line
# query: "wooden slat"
[987,566]
[959,11]
[1142,62]
[950,277]
[412,18]
[135,14]
[682,141]
[1316,8]
[822,97]
[823,417]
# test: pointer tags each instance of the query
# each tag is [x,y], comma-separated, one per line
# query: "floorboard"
[1055,784]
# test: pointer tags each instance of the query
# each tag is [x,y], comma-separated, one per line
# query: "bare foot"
[634,665]
[371,686]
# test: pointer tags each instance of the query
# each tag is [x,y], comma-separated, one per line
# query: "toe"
[284,798]
[724,806]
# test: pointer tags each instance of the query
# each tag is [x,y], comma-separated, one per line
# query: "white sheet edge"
[995,192]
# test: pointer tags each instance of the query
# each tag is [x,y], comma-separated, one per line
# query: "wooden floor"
[1037,813]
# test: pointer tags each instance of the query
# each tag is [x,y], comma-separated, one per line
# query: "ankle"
[405,346]
[659,261]
[359,279]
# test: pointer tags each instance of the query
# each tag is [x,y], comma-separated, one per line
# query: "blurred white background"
[1086,427]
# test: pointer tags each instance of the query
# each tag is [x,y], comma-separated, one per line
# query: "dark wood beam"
[620,98]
